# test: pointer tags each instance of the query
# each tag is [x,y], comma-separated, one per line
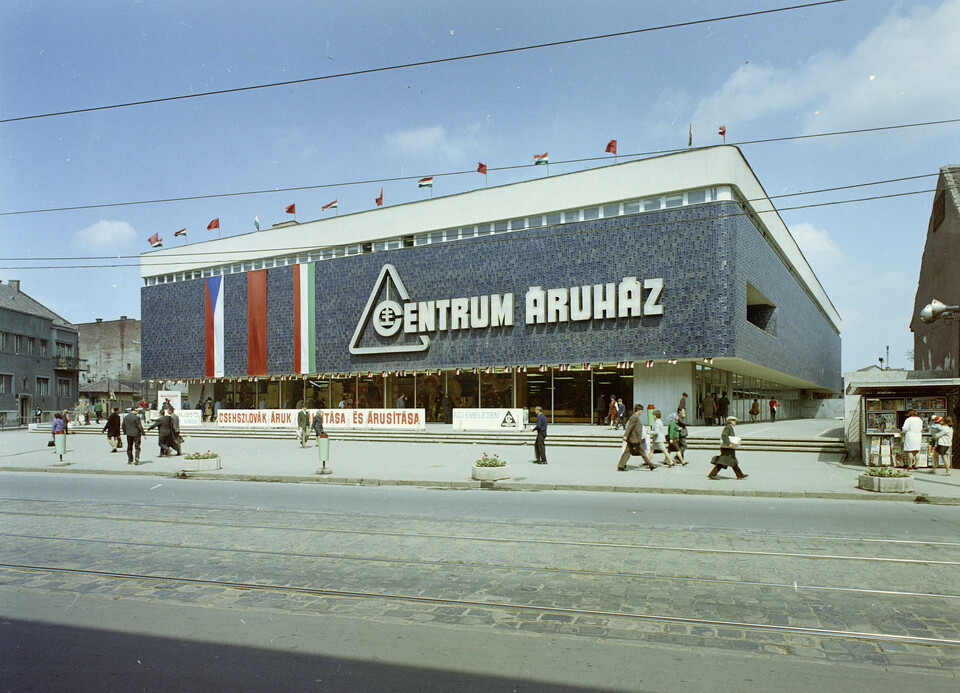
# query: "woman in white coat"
[912,438]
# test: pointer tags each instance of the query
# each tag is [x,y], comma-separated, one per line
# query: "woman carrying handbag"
[729,442]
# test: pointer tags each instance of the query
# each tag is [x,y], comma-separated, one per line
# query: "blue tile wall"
[280,320]
[172,320]
[705,254]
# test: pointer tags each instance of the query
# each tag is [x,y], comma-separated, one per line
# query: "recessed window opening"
[760,311]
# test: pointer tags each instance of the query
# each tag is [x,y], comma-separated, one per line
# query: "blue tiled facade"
[705,262]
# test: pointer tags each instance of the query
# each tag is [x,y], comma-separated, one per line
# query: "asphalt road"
[112,583]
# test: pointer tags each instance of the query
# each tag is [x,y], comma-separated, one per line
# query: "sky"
[845,66]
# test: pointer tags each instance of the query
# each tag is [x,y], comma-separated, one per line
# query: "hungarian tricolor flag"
[611,147]
[379,200]
[722,131]
[332,205]
[541,158]
[425,182]
[291,209]
[155,240]
[181,232]
[215,224]
[481,168]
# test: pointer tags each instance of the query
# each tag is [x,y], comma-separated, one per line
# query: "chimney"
[123,317]
[15,283]
[99,319]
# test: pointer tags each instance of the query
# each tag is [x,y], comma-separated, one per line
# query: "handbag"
[733,442]
[634,449]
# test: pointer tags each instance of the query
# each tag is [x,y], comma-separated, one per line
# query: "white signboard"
[333,419]
[189,417]
[172,395]
[488,419]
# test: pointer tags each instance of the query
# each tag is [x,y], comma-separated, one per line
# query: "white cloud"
[817,246]
[106,236]
[906,69]
[431,144]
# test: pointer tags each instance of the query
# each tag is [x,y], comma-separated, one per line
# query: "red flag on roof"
[292,209]
[379,200]
[722,131]
[611,147]
[215,224]
[482,168]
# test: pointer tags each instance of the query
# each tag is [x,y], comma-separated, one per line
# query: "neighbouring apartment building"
[39,358]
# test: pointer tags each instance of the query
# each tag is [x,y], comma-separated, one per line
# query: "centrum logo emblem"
[386,316]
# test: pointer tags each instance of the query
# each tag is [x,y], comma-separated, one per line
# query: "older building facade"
[641,280]
[39,358]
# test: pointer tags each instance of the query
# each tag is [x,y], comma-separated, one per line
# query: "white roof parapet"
[687,170]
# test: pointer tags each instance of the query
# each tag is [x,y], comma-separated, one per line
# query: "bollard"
[323,449]
[650,416]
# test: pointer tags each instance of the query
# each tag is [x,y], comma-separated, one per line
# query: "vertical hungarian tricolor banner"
[213,338]
[257,322]
[304,320]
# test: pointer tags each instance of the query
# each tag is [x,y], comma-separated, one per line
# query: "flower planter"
[205,465]
[886,484]
[491,473]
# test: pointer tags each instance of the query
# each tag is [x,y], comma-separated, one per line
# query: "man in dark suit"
[540,447]
[133,430]
[633,437]
[164,426]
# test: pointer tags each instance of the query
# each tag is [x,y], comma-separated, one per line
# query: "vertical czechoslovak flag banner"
[213,333]
[304,320]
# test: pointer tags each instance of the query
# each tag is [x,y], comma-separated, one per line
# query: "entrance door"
[24,410]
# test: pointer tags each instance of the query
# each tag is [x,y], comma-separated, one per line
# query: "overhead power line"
[422,63]
[381,181]
[145,261]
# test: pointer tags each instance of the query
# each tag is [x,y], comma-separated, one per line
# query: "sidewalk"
[449,465]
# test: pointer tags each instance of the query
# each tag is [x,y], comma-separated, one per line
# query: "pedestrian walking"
[540,446]
[612,412]
[659,441]
[723,407]
[941,437]
[676,433]
[774,405]
[59,431]
[682,405]
[176,439]
[98,410]
[912,438]
[164,427]
[709,410]
[317,426]
[303,424]
[132,427]
[621,414]
[112,429]
[633,441]
[447,405]
[601,409]
[754,411]
[729,442]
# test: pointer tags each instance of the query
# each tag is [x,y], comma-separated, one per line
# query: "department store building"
[641,280]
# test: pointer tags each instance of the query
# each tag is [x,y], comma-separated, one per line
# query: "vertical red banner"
[257,322]
[296,319]
[209,358]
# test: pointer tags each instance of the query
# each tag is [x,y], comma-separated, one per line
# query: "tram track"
[660,618]
[704,530]
[495,540]
[794,586]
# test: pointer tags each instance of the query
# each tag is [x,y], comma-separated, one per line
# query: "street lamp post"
[935,310]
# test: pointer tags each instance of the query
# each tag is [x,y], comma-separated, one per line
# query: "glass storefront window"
[430,393]
[370,393]
[464,391]
[496,390]
[571,396]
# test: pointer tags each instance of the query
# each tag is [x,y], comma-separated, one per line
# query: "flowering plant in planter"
[886,472]
[201,455]
[490,461]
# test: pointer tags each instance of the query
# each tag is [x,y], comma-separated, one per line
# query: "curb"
[472,485]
